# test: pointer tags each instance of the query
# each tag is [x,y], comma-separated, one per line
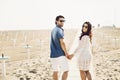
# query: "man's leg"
[54,62]
[55,75]
[64,67]
[65,75]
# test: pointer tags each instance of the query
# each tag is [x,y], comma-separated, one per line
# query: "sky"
[38,14]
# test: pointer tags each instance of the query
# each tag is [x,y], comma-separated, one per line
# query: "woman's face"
[85,28]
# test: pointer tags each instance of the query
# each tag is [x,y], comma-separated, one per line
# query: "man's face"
[60,22]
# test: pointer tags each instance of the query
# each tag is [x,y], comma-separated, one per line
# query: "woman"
[83,51]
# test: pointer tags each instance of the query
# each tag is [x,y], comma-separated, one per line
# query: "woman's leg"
[65,75]
[83,75]
[88,74]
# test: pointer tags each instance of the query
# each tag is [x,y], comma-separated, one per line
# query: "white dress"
[84,54]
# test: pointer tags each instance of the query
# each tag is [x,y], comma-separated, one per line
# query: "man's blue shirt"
[56,50]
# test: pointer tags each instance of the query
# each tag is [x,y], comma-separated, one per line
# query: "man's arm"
[63,46]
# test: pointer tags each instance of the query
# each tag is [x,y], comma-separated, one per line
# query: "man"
[59,53]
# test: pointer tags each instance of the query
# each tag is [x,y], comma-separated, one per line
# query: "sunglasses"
[62,20]
[86,26]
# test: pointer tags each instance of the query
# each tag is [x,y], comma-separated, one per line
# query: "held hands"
[70,56]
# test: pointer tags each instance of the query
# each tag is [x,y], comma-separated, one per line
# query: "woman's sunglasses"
[85,26]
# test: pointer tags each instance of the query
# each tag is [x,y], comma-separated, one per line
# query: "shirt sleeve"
[85,41]
[60,34]
[82,44]
[77,47]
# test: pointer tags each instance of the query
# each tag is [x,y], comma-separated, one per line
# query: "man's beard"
[61,25]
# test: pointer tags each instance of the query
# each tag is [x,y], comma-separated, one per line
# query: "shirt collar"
[59,27]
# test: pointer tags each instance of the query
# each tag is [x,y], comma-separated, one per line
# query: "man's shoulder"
[57,29]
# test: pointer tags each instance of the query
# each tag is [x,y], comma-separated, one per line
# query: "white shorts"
[60,63]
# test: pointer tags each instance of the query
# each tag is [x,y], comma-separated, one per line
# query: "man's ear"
[55,22]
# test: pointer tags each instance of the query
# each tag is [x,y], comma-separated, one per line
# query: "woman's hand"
[70,56]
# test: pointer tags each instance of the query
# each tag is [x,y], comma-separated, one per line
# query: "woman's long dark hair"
[89,33]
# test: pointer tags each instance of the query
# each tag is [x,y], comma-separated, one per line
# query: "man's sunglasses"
[62,20]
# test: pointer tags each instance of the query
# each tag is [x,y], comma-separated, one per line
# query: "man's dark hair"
[57,18]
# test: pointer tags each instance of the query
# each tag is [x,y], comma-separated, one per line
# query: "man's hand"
[66,54]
